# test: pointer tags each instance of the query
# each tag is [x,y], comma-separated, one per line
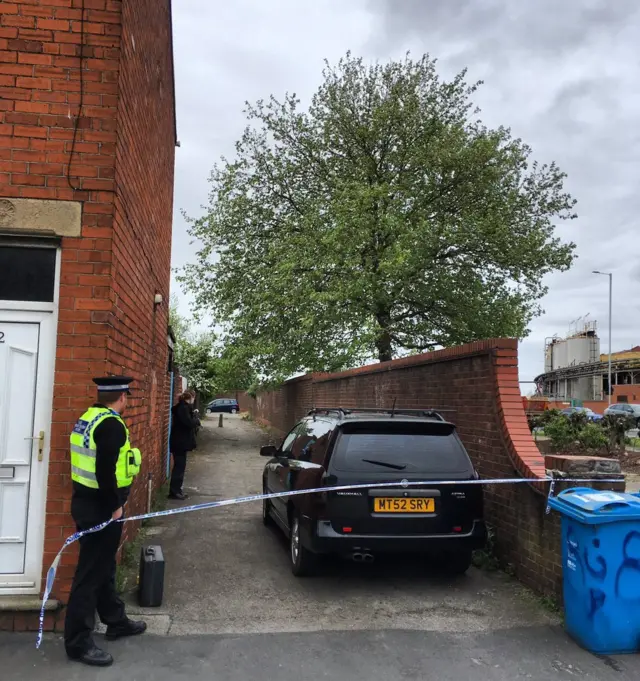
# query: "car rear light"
[346,530]
[457,528]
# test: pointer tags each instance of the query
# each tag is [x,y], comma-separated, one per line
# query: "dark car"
[335,447]
[227,406]
[589,413]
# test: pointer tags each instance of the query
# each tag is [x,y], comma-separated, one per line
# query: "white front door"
[27,343]
[19,368]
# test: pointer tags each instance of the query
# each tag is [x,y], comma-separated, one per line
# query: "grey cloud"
[545,27]
[227,53]
[562,74]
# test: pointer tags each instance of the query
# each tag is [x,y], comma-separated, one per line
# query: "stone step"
[26,604]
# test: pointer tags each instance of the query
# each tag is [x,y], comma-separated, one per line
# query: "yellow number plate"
[401,505]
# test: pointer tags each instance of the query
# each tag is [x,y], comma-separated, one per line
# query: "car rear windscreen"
[410,452]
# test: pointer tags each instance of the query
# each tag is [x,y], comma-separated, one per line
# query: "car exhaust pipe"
[367,557]
[357,557]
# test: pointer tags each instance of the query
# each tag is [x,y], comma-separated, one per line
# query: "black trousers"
[94,584]
[177,474]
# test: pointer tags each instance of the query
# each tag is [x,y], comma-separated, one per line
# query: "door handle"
[40,439]
[299,465]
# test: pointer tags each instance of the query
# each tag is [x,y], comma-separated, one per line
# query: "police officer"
[103,467]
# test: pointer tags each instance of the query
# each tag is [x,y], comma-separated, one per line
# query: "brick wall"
[118,162]
[476,387]
[39,100]
[631,392]
[596,405]
[142,222]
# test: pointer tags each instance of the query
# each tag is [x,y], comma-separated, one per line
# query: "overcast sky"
[564,75]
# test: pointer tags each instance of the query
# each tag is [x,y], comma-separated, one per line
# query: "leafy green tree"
[385,219]
[193,353]
[233,371]
[562,433]
[592,439]
[542,419]
[209,367]
[616,428]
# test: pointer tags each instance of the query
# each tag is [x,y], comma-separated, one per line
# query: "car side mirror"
[269,450]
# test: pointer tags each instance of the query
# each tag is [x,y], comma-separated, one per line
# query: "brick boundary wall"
[476,387]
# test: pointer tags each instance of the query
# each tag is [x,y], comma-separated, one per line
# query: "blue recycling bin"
[601,568]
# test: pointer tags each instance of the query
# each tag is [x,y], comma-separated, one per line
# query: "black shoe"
[179,496]
[94,657]
[128,628]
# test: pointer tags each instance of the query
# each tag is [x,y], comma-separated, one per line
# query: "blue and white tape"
[51,573]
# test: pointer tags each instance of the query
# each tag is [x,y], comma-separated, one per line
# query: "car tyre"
[303,562]
[638,424]
[459,562]
[234,411]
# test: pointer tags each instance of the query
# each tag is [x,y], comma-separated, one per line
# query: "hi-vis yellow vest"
[83,451]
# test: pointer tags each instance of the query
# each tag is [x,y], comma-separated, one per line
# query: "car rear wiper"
[395,466]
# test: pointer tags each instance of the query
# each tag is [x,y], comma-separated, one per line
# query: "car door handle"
[40,438]
[298,465]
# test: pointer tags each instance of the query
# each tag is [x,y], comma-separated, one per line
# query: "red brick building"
[87,144]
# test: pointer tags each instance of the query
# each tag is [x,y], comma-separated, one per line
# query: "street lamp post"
[610,275]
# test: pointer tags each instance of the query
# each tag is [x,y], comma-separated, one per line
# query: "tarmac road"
[234,612]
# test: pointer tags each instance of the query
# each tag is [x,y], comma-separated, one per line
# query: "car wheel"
[303,562]
[233,411]
[267,520]
[459,562]
[638,423]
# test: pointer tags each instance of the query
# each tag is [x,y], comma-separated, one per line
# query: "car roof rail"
[327,410]
[344,411]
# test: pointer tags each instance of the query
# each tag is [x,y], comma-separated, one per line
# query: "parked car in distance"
[227,406]
[624,409]
[342,447]
[589,413]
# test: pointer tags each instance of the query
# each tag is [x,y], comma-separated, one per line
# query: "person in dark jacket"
[182,440]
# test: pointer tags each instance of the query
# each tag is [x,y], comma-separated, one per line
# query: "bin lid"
[595,507]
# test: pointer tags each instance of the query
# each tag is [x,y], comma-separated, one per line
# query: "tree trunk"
[383,341]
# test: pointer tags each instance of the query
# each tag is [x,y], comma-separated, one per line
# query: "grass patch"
[127,570]
[551,604]
[483,560]
[486,558]
[548,603]
[158,501]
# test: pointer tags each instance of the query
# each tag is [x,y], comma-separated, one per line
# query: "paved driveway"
[229,574]
[233,610]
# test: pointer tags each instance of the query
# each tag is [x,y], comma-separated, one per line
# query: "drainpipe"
[168,468]
[149,492]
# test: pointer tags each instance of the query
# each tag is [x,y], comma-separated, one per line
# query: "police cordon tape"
[51,573]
